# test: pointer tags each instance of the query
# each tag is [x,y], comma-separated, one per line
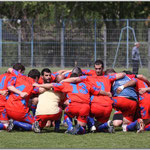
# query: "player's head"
[99,66]
[127,71]
[74,75]
[137,44]
[77,70]
[19,67]
[109,71]
[46,75]
[59,78]
[35,74]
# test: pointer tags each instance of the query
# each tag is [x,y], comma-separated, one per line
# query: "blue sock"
[33,109]
[131,126]
[23,125]
[2,127]
[147,128]
[82,130]
[57,124]
[68,121]
[90,122]
[103,127]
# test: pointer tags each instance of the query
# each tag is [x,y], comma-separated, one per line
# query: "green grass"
[50,139]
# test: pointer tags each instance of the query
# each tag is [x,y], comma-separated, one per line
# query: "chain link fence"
[66,43]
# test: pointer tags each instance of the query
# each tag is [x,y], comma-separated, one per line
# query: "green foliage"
[74,10]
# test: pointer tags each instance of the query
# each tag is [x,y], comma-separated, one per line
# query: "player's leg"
[102,115]
[41,120]
[4,120]
[117,118]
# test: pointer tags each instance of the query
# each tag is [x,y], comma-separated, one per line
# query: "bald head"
[59,78]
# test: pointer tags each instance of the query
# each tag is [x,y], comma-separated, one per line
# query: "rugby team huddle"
[86,96]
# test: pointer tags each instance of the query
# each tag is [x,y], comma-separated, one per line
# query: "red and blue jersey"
[24,84]
[103,83]
[6,80]
[141,84]
[79,92]
[53,76]
[67,75]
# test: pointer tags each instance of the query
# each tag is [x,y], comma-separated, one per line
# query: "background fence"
[65,43]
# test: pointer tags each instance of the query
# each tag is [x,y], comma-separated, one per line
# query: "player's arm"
[4,92]
[96,91]
[14,72]
[128,84]
[101,92]
[46,86]
[143,90]
[66,71]
[41,90]
[63,71]
[143,78]
[120,75]
[10,70]
[13,89]
[72,80]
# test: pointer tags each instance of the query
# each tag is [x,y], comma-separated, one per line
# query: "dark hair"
[111,70]
[99,62]
[74,75]
[77,70]
[127,71]
[19,66]
[33,73]
[45,70]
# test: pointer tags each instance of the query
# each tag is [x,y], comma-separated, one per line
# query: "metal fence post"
[95,40]
[105,46]
[32,42]
[0,42]
[149,50]
[62,44]
[127,63]
[19,44]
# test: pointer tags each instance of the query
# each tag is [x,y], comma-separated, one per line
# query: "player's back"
[75,92]
[128,92]
[48,103]
[24,84]
[140,84]
[5,80]
[101,82]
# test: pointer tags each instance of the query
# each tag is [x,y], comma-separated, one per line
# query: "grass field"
[50,139]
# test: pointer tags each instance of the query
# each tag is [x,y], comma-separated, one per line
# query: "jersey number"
[82,89]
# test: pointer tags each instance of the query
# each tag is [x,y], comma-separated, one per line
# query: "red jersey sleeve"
[94,90]
[40,80]
[11,81]
[35,90]
[84,78]
[111,77]
[16,73]
[58,87]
